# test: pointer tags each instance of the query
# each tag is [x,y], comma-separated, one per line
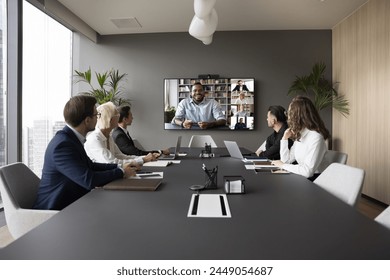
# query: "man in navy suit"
[68,173]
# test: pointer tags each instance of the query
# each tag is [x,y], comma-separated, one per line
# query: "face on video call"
[197,93]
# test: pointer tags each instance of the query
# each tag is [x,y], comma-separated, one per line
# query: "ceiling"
[155,16]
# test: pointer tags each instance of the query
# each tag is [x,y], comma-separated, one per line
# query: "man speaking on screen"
[199,111]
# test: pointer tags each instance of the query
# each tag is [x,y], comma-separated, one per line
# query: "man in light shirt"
[197,110]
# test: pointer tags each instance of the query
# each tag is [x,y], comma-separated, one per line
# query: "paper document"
[259,160]
[158,163]
[257,166]
[249,166]
[209,206]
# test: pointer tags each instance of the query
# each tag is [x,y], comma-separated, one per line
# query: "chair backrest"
[198,141]
[384,217]
[332,156]
[19,189]
[343,181]
[20,184]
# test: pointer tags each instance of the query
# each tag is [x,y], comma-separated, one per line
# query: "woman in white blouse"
[309,133]
[100,146]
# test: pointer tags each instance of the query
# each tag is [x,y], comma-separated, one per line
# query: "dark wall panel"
[273,58]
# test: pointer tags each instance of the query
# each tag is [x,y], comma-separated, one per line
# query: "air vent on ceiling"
[126,22]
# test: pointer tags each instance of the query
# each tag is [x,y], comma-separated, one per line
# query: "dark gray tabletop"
[281,216]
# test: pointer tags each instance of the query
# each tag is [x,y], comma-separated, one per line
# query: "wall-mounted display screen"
[235,98]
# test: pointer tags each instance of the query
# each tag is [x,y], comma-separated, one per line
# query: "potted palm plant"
[109,86]
[323,93]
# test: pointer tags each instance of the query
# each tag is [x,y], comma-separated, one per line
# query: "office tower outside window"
[47,81]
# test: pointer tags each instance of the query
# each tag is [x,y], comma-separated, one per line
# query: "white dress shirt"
[96,148]
[308,152]
[241,101]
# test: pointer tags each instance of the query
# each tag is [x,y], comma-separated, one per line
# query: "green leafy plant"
[169,113]
[323,93]
[109,86]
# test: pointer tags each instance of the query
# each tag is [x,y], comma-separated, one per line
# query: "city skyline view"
[46,84]
[47,81]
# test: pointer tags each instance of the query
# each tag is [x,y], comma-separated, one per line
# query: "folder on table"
[134,184]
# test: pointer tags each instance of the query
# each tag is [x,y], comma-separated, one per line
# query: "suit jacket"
[244,88]
[126,144]
[68,173]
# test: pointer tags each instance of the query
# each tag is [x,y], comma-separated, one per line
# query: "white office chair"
[384,217]
[19,188]
[198,141]
[343,181]
[332,156]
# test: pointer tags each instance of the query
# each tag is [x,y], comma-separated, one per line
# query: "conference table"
[279,217]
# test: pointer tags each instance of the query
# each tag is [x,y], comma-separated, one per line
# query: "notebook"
[134,184]
[235,152]
[175,152]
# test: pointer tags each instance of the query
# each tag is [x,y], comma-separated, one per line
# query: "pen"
[205,170]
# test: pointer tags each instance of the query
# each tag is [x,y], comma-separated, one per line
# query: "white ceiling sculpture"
[204,22]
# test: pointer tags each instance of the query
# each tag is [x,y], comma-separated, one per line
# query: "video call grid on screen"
[235,95]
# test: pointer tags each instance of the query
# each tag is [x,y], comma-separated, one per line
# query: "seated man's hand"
[149,157]
[258,152]
[156,155]
[204,125]
[133,164]
[129,171]
[166,151]
[187,124]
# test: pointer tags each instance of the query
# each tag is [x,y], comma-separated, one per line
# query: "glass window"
[3,80]
[3,85]
[47,80]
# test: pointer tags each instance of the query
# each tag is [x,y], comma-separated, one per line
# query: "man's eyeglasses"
[97,114]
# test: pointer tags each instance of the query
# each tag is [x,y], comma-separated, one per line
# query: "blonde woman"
[309,133]
[100,146]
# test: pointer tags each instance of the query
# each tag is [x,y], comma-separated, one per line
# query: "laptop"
[235,152]
[175,152]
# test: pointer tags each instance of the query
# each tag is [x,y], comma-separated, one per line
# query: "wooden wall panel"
[361,65]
